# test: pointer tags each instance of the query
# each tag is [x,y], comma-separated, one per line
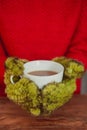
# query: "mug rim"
[42,61]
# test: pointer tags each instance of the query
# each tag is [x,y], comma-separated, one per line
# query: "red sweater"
[42,29]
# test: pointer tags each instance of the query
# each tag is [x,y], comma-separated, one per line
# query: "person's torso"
[38,29]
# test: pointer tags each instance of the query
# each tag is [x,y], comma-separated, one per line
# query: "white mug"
[43,65]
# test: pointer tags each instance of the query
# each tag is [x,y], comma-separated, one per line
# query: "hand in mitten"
[21,90]
[73,68]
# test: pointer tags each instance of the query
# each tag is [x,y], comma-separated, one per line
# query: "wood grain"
[71,116]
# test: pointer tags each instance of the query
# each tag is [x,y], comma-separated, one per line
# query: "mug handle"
[11,79]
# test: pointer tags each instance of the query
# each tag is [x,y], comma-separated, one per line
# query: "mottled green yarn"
[14,65]
[27,94]
[73,69]
[56,94]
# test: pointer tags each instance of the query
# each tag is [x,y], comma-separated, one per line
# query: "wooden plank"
[73,116]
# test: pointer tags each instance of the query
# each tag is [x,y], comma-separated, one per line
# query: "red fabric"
[2,60]
[78,83]
[43,29]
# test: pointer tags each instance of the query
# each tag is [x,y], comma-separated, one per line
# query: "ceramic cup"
[41,66]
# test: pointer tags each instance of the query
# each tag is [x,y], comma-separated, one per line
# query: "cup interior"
[42,65]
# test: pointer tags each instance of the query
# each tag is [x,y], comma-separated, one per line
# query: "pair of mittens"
[27,94]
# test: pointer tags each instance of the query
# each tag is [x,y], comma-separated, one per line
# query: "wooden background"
[71,116]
